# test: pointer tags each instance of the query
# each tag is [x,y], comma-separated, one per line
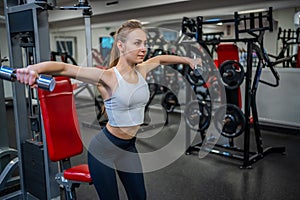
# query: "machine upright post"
[36,180]
[246,158]
[88,36]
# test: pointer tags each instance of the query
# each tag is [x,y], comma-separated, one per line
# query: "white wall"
[279,105]
[80,38]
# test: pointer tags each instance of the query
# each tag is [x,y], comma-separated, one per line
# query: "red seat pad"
[78,173]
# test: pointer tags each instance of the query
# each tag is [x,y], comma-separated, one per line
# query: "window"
[66,45]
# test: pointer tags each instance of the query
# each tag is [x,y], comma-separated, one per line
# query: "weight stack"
[35,181]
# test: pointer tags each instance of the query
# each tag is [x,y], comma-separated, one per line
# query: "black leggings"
[108,154]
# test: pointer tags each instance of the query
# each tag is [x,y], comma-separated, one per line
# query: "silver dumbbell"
[44,82]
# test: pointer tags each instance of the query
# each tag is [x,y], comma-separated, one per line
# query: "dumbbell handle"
[197,70]
[43,82]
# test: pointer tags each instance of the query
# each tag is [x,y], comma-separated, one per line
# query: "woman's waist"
[123,132]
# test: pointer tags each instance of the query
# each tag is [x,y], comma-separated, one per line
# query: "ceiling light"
[252,11]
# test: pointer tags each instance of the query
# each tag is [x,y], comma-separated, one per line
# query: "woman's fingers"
[26,76]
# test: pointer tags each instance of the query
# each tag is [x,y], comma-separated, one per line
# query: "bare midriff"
[123,132]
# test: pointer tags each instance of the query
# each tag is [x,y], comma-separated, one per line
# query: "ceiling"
[109,12]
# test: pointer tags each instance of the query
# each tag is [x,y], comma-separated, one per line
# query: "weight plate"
[197,115]
[232,74]
[232,124]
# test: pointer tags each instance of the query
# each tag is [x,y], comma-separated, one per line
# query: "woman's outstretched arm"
[86,74]
[152,63]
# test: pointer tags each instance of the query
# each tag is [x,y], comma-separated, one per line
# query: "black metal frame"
[288,37]
[254,44]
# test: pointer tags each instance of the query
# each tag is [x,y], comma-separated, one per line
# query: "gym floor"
[214,177]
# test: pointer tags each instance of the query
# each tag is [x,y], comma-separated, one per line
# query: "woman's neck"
[125,68]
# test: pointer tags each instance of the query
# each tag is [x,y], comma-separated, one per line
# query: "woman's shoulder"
[110,73]
[142,69]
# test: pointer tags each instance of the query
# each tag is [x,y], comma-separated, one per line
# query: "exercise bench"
[62,134]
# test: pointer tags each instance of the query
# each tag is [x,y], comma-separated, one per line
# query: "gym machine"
[249,29]
[288,38]
[9,178]
[28,44]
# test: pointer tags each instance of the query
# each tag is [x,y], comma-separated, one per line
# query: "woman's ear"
[120,46]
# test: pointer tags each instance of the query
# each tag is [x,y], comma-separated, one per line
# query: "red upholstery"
[227,52]
[78,173]
[60,120]
[62,128]
[216,62]
[298,58]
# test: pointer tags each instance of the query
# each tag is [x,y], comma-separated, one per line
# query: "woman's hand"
[194,63]
[27,76]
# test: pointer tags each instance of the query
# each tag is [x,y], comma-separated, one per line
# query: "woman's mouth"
[141,56]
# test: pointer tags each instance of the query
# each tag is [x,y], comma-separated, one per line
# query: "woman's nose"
[143,47]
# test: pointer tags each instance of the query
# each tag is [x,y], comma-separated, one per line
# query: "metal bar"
[270,19]
[199,32]
[252,20]
[260,20]
[4,142]
[218,21]
[19,100]
[88,38]
[248,81]
[38,25]
[258,138]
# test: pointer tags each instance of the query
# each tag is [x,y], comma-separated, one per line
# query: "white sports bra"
[127,104]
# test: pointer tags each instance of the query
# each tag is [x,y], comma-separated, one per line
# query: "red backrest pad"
[227,52]
[60,120]
[298,58]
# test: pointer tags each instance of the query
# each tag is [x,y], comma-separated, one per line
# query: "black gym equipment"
[232,74]
[208,70]
[195,77]
[288,38]
[245,23]
[232,124]
[169,101]
[197,115]
[9,162]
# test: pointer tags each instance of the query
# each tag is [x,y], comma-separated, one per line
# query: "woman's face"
[135,46]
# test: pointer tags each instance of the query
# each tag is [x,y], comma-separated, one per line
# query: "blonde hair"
[121,35]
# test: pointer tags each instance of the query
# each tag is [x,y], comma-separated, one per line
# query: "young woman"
[125,93]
